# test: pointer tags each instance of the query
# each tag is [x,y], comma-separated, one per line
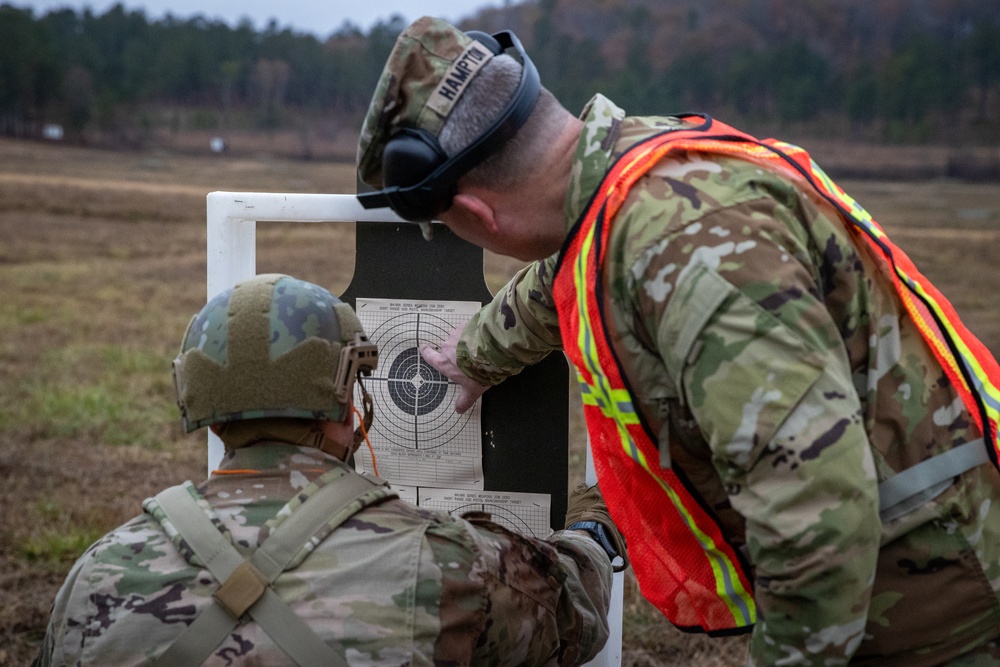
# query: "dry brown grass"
[102,262]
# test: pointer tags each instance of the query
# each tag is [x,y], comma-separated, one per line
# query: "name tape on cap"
[459,75]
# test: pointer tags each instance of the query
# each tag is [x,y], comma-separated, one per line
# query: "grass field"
[102,263]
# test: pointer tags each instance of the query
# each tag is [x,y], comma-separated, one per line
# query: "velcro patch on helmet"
[298,384]
[283,339]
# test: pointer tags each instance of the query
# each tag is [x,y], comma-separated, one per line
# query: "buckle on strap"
[241,589]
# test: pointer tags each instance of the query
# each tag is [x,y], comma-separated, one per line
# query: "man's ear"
[471,204]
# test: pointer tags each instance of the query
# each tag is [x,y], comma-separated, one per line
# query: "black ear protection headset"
[419,178]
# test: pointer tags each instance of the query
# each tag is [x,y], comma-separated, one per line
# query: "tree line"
[881,70]
[86,70]
[119,70]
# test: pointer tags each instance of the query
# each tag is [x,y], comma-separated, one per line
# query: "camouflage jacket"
[394,585]
[802,384]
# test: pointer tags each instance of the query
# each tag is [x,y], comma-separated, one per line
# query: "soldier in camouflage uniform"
[767,350]
[270,365]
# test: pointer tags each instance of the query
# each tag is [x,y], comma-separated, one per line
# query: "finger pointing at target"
[444,360]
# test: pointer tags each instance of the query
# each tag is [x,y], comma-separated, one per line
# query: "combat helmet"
[272,346]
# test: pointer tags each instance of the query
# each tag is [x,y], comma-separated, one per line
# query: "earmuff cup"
[409,157]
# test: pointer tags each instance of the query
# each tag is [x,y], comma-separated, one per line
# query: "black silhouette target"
[414,403]
[522,434]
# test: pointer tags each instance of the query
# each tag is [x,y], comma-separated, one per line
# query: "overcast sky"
[321,17]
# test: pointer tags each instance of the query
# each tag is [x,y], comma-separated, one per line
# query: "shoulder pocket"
[740,370]
[698,296]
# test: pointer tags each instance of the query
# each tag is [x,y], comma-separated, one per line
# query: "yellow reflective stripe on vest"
[616,404]
[727,580]
[983,386]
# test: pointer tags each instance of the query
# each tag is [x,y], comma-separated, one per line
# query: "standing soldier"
[790,425]
[286,555]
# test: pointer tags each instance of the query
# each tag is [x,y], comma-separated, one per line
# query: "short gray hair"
[479,107]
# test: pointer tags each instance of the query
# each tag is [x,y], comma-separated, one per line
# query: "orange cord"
[364,432]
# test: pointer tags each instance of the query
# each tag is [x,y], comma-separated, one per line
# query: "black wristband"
[596,531]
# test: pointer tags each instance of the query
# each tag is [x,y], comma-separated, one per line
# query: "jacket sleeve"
[52,650]
[582,612]
[733,305]
[517,329]
[547,600]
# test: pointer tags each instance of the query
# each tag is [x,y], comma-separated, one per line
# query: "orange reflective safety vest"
[681,558]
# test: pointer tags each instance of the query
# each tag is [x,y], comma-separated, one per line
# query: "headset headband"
[432,194]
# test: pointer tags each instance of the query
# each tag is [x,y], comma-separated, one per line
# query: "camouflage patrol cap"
[272,346]
[410,92]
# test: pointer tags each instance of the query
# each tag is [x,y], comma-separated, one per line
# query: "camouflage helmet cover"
[272,346]
[407,91]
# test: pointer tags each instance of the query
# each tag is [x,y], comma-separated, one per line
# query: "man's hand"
[444,358]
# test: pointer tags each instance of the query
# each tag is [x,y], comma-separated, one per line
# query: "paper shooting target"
[526,513]
[506,518]
[414,403]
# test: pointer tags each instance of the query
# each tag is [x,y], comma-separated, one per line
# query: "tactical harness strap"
[246,583]
[902,493]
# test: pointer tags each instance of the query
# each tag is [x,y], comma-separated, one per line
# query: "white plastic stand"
[611,654]
[232,257]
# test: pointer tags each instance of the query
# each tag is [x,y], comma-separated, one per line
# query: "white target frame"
[231,245]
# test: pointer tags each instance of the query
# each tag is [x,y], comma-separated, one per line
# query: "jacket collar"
[602,121]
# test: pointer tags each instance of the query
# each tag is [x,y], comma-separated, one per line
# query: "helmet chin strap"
[341,450]
[318,440]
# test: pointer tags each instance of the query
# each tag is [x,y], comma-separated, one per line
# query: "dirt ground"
[102,262]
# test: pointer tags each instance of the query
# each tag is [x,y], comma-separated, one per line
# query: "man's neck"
[542,199]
